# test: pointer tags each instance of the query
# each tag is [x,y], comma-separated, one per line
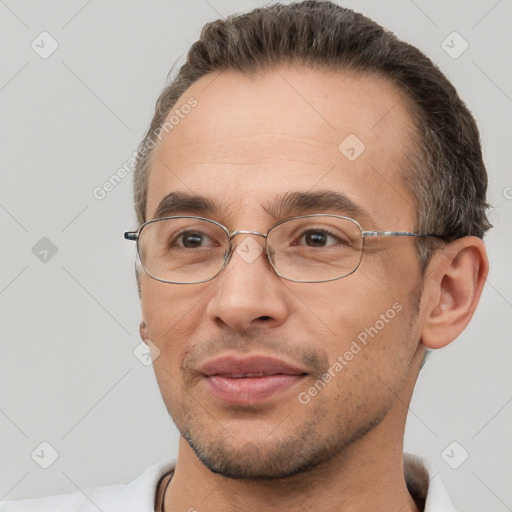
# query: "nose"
[248,294]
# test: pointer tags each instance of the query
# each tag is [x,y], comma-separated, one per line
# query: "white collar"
[139,494]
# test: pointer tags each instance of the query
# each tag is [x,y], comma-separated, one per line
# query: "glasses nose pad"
[270,253]
[228,253]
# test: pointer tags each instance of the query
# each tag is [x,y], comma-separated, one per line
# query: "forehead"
[248,139]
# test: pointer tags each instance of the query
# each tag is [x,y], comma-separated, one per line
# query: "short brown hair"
[447,176]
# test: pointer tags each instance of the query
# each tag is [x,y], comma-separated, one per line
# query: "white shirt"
[139,495]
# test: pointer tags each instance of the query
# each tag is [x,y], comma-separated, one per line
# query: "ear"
[453,283]
[143,331]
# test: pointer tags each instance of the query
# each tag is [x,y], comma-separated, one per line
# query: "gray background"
[69,323]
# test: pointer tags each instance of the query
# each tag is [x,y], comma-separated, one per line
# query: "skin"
[248,140]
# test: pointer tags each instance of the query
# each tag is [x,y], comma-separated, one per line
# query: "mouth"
[249,380]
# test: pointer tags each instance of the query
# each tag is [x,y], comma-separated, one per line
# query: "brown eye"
[321,238]
[191,240]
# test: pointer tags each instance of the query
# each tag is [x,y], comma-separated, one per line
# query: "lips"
[250,379]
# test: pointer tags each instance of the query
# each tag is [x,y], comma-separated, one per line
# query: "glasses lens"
[317,248]
[182,250]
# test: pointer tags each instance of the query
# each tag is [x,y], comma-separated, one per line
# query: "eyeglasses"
[307,249]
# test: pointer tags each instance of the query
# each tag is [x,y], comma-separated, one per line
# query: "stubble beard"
[290,451]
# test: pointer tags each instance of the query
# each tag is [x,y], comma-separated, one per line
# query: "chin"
[294,453]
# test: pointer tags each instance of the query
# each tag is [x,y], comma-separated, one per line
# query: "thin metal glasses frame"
[134,236]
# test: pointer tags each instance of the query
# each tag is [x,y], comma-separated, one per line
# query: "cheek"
[361,322]
[390,264]
[374,359]
[368,370]
[164,303]
[340,310]
[172,314]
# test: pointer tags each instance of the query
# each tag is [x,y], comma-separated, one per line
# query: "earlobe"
[453,285]
[143,331]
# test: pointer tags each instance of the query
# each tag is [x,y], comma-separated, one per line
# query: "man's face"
[247,142]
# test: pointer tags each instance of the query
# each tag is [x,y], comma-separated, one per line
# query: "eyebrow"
[282,206]
[177,202]
[297,203]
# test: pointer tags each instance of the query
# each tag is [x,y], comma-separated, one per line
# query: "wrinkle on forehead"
[290,122]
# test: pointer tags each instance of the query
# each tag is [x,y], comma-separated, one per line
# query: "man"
[311,206]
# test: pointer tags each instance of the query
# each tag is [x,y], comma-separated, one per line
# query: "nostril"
[264,317]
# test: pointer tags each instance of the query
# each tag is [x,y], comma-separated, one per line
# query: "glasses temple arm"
[394,233]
